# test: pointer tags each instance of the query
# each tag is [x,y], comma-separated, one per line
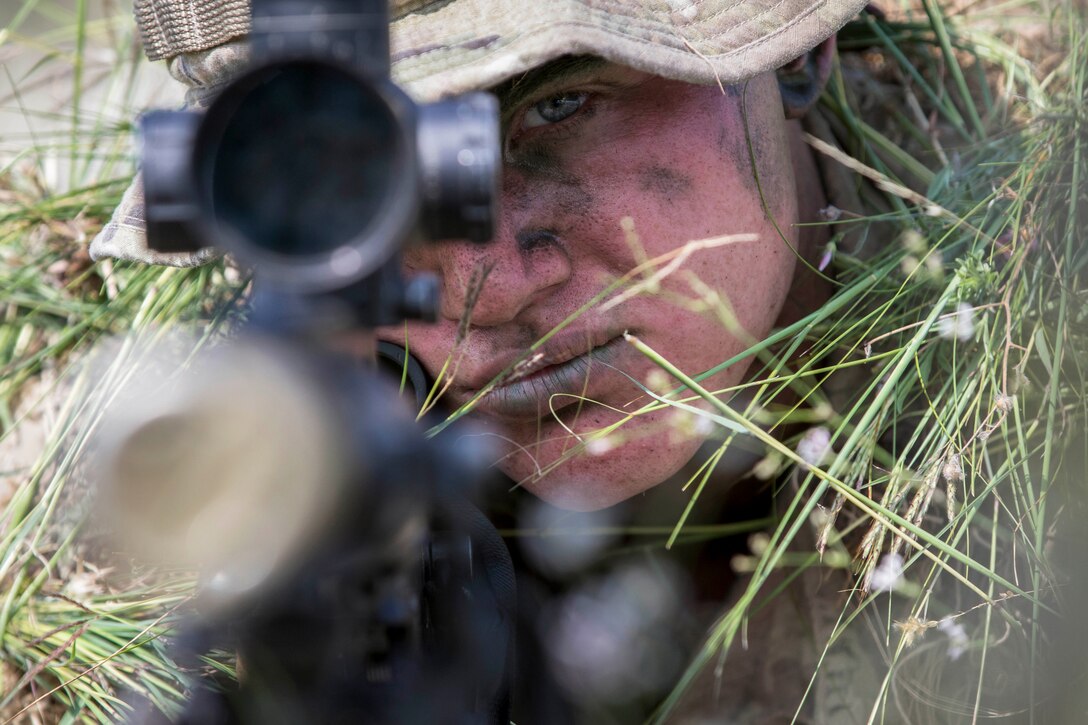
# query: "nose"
[501,280]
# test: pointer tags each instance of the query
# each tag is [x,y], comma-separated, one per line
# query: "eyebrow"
[514,92]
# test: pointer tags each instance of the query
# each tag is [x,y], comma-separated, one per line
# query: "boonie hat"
[442,48]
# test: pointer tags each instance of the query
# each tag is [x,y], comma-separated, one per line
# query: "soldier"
[632,130]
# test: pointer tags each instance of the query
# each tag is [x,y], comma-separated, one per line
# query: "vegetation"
[953,476]
[960,450]
[75,634]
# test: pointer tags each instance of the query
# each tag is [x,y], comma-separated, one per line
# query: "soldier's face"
[588,145]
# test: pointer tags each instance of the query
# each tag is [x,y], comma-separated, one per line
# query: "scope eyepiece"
[306,170]
[459,163]
[171,209]
[315,169]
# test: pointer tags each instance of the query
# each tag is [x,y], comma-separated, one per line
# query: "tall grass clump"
[946,373]
[76,632]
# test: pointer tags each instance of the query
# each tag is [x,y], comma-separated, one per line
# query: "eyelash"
[558,130]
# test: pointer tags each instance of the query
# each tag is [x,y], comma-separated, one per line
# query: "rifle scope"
[312,165]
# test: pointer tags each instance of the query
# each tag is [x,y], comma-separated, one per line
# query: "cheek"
[683,170]
[692,185]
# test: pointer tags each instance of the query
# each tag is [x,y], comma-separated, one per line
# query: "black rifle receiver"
[392,599]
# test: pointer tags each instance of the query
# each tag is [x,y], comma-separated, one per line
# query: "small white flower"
[888,573]
[952,469]
[957,637]
[767,468]
[683,423]
[704,426]
[825,260]
[758,543]
[914,242]
[960,324]
[658,381]
[83,585]
[830,213]
[815,445]
[935,264]
[600,446]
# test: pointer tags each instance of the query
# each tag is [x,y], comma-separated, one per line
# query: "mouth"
[536,388]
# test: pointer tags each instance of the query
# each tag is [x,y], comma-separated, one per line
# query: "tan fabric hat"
[446,47]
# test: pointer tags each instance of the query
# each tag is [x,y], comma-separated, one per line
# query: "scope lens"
[300,159]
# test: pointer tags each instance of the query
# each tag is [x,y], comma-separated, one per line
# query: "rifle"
[340,554]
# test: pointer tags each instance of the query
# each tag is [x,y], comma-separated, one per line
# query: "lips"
[568,368]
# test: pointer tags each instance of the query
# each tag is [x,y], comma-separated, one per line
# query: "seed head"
[525,367]
[957,637]
[914,628]
[815,445]
[960,324]
[658,381]
[952,469]
[600,446]
[888,574]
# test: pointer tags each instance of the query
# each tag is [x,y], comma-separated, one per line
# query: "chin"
[591,483]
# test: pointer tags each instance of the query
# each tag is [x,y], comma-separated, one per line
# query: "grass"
[963,454]
[75,634]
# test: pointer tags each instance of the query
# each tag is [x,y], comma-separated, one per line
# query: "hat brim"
[454,49]
[442,49]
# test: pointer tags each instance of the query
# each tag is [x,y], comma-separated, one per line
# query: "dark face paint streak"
[665,183]
[549,186]
[539,162]
[731,143]
[750,151]
[547,181]
[746,152]
[530,240]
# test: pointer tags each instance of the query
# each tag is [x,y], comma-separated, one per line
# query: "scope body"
[315,168]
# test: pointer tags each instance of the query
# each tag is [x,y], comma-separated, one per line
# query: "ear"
[803,80]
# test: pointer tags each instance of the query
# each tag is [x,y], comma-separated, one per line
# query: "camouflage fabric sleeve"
[203,73]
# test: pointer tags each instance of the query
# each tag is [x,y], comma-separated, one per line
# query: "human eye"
[553,109]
